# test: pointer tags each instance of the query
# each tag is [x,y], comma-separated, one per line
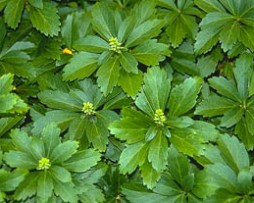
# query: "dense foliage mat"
[125,101]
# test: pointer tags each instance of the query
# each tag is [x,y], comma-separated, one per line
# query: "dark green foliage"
[123,101]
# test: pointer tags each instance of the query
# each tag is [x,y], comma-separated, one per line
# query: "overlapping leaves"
[160,121]
[122,43]
[49,163]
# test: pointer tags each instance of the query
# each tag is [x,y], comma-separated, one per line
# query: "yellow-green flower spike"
[115,45]
[44,164]
[159,117]
[88,108]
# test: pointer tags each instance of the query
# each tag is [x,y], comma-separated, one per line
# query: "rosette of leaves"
[234,100]
[227,22]
[181,19]
[50,164]
[162,118]
[42,14]
[177,183]
[228,177]
[123,41]
[82,110]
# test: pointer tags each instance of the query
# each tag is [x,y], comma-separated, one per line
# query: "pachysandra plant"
[177,183]
[226,21]
[81,111]
[234,100]
[122,42]
[161,119]
[50,164]
[228,177]
[181,19]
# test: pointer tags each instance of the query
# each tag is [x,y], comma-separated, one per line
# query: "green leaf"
[36,3]
[44,186]
[225,87]
[126,28]
[149,174]
[108,75]
[130,83]
[60,100]
[242,73]
[103,20]
[158,152]
[75,26]
[183,96]
[60,173]
[234,153]
[97,134]
[155,92]
[81,65]
[145,31]
[128,62]
[209,6]
[20,160]
[180,170]
[91,43]
[232,117]
[50,137]
[82,161]
[181,20]
[242,132]
[187,141]
[132,127]
[61,118]
[66,191]
[6,83]
[180,122]
[7,101]
[63,151]
[27,188]
[249,117]
[214,105]
[244,179]
[150,53]
[132,156]
[214,177]
[10,180]
[45,20]
[13,12]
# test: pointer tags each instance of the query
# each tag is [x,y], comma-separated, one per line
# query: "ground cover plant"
[125,101]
